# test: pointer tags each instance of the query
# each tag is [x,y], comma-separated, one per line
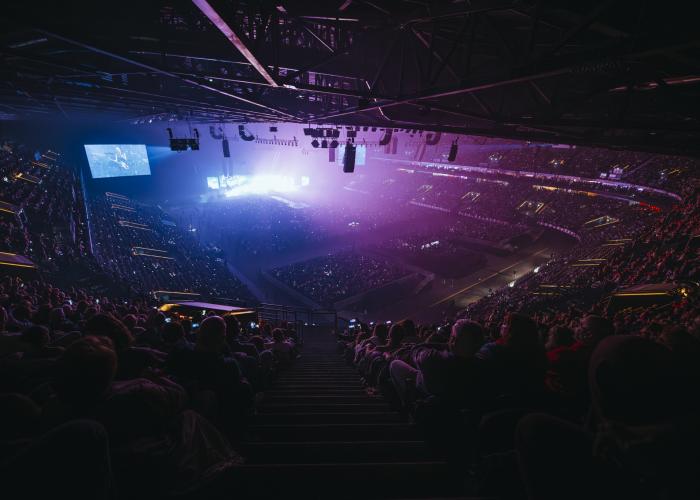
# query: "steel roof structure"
[600,72]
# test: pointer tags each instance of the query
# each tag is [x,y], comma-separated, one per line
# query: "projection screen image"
[117,160]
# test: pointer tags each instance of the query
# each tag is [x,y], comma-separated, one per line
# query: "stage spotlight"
[351,134]
[178,145]
[314,143]
[244,135]
[273,129]
[224,146]
[324,144]
[334,144]
[453,152]
[308,131]
[216,133]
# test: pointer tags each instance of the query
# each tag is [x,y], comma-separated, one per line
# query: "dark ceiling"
[612,73]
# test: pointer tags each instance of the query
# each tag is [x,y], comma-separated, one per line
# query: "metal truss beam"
[162,72]
[232,37]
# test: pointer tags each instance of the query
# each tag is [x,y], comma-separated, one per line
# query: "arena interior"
[349,249]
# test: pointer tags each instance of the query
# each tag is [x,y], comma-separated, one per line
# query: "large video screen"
[117,160]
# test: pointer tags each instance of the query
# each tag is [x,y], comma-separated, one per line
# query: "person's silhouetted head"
[466,338]
[381,332]
[679,340]
[559,336]
[212,334]
[57,317]
[172,332]
[131,321]
[520,332]
[86,370]
[233,327]
[258,342]
[593,329]
[278,335]
[408,327]
[396,335]
[36,337]
[632,380]
[106,325]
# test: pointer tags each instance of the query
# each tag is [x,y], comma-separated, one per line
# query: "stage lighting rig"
[323,134]
[183,143]
[244,135]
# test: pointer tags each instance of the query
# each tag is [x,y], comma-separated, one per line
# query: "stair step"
[284,391]
[325,362]
[318,435]
[324,366]
[317,387]
[324,398]
[316,384]
[367,406]
[329,418]
[348,480]
[337,452]
[331,370]
[331,432]
[351,379]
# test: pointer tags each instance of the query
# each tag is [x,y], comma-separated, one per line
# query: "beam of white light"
[243,185]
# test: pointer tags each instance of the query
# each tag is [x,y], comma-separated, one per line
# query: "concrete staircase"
[320,435]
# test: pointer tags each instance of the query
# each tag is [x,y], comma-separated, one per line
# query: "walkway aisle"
[319,435]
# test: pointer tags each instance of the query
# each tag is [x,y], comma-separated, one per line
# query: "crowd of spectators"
[260,226]
[663,252]
[546,395]
[662,171]
[533,390]
[46,222]
[139,405]
[493,210]
[139,245]
[332,278]
[543,388]
[270,227]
